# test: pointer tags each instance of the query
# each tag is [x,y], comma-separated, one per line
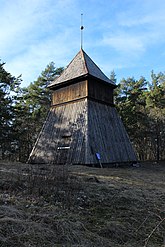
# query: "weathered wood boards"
[69,93]
[62,139]
[75,132]
[107,135]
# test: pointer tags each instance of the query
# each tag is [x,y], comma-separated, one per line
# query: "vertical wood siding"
[100,91]
[107,135]
[72,92]
[83,128]
[65,128]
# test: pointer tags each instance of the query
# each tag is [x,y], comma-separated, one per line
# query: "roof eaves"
[61,84]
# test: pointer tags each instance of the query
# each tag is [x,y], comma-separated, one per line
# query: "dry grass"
[82,206]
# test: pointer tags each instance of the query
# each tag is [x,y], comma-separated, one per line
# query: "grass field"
[56,206]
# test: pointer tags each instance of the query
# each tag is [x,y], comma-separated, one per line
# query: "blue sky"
[127,36]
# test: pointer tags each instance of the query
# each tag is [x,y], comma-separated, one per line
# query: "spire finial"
[82,27]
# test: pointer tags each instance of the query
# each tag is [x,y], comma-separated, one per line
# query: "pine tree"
[155,104]
[9,86]
[31,110]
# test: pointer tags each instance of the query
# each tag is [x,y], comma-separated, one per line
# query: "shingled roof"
[81,65]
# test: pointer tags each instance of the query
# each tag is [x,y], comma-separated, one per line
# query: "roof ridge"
[81,65]
[95,73]
[92,62]
[85,64]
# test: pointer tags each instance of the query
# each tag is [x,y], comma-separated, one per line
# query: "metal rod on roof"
[82,27]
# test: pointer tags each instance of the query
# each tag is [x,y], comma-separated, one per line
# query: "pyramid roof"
[81,65]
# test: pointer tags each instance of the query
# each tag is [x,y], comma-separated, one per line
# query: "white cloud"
[33,34]
[27,21]
[17,24]
[135,30]
[36,32]
[125,43]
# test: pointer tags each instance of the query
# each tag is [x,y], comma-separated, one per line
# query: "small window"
[66,134]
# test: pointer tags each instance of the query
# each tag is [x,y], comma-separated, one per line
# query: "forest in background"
[140,103]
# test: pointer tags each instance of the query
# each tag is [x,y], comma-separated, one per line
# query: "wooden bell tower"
[83,125]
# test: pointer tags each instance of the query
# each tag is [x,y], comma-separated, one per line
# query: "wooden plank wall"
[100,91]
[63,137]
[89,88]
[72,92]
[75,132]
[107,135]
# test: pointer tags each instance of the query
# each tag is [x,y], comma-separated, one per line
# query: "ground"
[56,206]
